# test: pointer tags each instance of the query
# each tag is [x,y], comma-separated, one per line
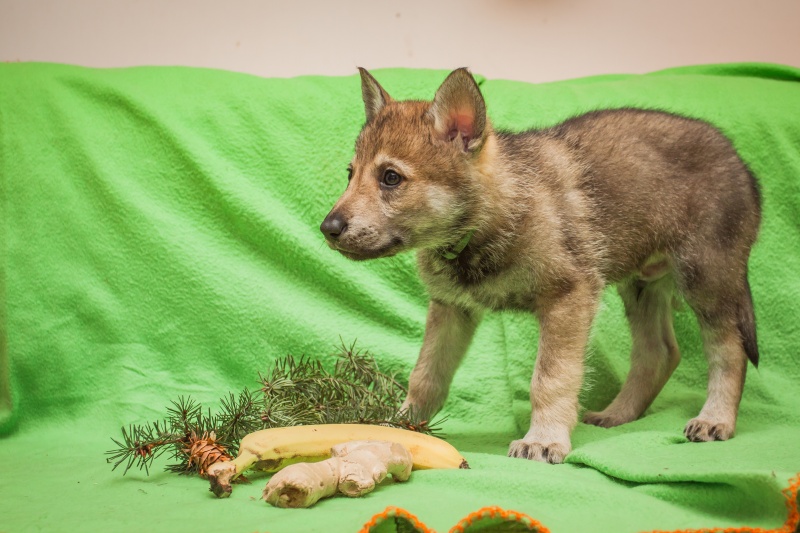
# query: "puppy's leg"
[727,365]
[654,355]
[721,299]
[448,333]
[564,326]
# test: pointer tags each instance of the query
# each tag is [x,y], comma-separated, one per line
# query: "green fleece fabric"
[160,237]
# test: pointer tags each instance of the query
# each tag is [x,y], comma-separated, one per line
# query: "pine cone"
[204,452]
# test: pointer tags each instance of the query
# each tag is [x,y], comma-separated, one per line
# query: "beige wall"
[532,40]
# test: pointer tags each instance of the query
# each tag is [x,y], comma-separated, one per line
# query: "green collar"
[453,252]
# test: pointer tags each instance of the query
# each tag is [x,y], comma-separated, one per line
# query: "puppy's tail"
[746,321]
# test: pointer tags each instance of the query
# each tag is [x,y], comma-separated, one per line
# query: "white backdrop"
[530,40]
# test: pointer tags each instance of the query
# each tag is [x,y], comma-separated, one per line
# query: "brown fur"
[653,202]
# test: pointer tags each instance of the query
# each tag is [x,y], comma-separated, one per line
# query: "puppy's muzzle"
[333,226]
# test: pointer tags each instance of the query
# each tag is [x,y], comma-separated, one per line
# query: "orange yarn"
[790,526]
[392,512]
[490,512]
[494,512]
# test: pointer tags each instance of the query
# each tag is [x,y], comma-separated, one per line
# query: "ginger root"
[353,470]
[270,450]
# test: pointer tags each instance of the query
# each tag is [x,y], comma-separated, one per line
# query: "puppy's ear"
[373,94]
[458,110]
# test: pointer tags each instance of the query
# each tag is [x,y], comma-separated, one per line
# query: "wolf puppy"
[541,221]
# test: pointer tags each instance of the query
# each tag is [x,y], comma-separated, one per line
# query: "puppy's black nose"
[333,226]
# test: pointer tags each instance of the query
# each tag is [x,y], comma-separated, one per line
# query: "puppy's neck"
[493,219]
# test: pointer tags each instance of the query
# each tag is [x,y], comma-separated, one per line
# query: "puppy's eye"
[349,173]
[391,178]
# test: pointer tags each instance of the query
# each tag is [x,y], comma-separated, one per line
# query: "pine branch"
[141,445]
[297,391]
[239,417]
[182,416]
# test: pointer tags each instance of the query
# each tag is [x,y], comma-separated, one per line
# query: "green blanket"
[159,237]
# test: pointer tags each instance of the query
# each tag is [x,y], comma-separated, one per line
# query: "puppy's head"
[411,182]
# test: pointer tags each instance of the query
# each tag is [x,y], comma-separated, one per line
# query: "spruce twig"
[141,444]
[297,391]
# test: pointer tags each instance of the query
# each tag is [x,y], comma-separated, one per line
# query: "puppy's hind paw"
[698,430]
[553,453]
[604,420]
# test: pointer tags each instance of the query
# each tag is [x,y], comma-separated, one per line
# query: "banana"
[272,449]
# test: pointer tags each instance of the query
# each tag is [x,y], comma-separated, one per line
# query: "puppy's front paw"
[698,430]
[553,452]
[421,409]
